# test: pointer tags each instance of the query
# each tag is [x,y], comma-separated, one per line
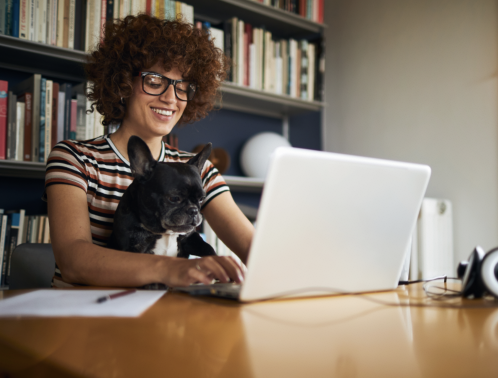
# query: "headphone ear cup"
[489,272]
[471,282]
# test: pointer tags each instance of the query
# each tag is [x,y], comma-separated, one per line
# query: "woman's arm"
[230,224]
[81,261]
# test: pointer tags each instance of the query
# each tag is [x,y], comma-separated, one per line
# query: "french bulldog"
[160,210]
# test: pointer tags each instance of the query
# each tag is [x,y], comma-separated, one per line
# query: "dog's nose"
[193,211]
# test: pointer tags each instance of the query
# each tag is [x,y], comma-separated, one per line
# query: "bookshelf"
[66,64]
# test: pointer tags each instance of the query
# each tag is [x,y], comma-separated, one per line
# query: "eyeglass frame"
[170,82]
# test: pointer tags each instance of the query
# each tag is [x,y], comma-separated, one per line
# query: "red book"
[320,11]
[148,7]
[55,115]
[72,127]
[27,98]
[303,5]
[4,88]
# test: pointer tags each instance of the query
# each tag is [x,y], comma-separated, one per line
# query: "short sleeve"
[66,165]
[212,182]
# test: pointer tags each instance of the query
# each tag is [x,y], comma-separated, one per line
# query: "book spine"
[32,19]
[6,246]
[42,27]
[3,252]
[72,15]
[81,16]
[48,20]
[35,130]
[55,115]
[15,18]
[116,9]
[11,131]
[227,28]
[72,128]
[60,23]
[4,87]
[21,112]
[110,10]
[97,21]
[2,16]
[304,70]
[8,16]
[23,19]
[28,114]
[60,120]
[53,25]
[65,30]
[81,117]
[43,101]
[48,118]
[103,12]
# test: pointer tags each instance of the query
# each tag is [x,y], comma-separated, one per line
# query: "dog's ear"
[141,161]
[199,159]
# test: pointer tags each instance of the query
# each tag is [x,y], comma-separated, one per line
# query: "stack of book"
[40,113]
[17,228]
[310,9]
[284,66]
[77,24]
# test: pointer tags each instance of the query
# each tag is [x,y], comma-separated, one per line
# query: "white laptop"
[329,224]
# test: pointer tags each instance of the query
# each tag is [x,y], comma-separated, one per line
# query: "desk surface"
[182,336]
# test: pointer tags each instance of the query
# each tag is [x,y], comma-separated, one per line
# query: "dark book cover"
[6,247]
[80,24]
[43,92]
[319,94]
[9,5]
[110,9]
[66,88]
[15,17]
[11,126]
[227,29]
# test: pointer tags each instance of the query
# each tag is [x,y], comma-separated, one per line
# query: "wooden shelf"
[13,168]
[28,56]
[67,64]
[281,23]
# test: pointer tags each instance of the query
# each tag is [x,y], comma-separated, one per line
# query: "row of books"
[77,24]
[18,228]
[283,66]
[310,9]
[39,113]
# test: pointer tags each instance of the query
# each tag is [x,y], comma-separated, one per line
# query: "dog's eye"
[174,199]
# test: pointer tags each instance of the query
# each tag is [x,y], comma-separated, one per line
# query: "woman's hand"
[183,272]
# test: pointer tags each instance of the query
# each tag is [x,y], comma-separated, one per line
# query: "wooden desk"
[181,336]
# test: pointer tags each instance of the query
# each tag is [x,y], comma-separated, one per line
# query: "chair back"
[32,266]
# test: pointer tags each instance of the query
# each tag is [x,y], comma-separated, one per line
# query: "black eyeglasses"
[156,84]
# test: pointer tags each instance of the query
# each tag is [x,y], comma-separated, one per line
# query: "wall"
[416,81]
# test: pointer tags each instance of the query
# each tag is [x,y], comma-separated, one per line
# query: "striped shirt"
[97,167]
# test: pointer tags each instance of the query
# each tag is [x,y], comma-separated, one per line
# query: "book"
[16,222]
[31,20]
[46,230]
[3,238]
[11,127]
[60,23]
[24,19]
[4,103]
[60,115]
[55,116]
[72,127]
[303,78]
[48,119]
[41,226]
[66,88]
[43,107]
[72,16]
[80,25]
[20,109]
[8,16]
[65,25]
[27,99]
[2,16]
[32,85]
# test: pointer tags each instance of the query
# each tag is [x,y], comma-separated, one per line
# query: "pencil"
[106,298]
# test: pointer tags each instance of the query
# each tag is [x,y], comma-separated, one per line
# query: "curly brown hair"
[138,42]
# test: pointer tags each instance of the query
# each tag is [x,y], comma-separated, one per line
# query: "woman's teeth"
[163,112]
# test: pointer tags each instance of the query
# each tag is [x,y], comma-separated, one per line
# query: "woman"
[148,75]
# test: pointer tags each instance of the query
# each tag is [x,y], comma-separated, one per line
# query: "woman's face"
[143,110]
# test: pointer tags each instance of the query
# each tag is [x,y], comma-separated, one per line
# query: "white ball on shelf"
[256,153]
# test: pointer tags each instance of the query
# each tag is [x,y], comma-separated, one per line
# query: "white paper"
[79,303]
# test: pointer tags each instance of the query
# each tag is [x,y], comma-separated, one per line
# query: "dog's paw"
[155,286]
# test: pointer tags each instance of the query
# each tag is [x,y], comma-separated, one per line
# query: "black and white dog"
[160,210]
